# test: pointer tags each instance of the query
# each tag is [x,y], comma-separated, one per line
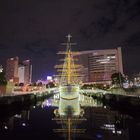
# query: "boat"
[69,83]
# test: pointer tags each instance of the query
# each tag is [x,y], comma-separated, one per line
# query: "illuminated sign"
[49,77]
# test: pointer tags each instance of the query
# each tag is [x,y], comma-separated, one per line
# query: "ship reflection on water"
[40,120]
[69,127]
[69,115]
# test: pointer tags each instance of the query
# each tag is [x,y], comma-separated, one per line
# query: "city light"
[1,68]
[46,103]
[24,124]
[5,127]
[49,78]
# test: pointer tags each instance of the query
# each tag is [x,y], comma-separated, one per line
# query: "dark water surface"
[99,122]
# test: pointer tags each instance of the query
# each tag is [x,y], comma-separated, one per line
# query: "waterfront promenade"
[88,92]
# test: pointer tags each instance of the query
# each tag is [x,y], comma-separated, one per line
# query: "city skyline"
[17,71]
[35,30]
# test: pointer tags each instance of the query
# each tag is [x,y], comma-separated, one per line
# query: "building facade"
[12,69]
[25,72]
[99,65]
[28,71]
[21,73]
[18,73]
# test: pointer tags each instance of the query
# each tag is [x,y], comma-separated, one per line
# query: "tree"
[2,79]
[50,85]
[117,79]
[40,84]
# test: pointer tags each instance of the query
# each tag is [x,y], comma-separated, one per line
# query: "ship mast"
[69,59]
[68,71]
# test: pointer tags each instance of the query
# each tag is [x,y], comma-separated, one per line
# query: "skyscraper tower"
[12,69]
[27,71]
[21,71]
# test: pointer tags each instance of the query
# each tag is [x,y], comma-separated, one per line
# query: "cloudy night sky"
[35,29]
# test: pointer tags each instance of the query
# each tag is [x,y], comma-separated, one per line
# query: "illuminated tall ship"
[69,82]
[69,114]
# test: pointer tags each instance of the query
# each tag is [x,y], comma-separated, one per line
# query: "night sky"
[35,29]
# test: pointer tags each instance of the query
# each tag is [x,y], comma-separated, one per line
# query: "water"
[38,121]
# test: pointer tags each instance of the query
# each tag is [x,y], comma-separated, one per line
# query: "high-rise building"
[21,73]
[27,71]
[12,69]
[99,65]
[18,73]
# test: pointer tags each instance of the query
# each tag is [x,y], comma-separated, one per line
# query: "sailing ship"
[69,113]
[69,82]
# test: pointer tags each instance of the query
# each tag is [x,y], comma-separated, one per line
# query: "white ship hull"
[69,100]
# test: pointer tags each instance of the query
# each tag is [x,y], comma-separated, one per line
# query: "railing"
[46,90]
